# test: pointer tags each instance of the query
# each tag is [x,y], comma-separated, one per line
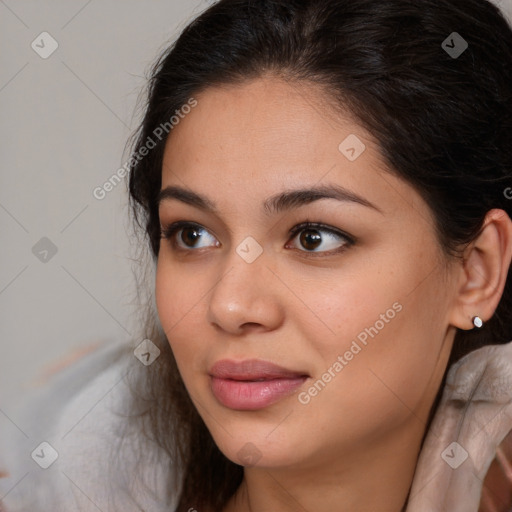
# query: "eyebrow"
[283,201]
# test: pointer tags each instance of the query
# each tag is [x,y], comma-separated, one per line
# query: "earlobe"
[483,272]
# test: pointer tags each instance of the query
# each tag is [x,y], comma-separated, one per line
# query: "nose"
[246,298]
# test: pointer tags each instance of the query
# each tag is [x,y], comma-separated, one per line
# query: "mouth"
[252,384]
[252,370]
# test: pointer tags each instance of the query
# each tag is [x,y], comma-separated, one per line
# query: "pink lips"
[253,383]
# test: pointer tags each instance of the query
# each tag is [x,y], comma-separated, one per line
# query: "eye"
[190,234]
[311,238]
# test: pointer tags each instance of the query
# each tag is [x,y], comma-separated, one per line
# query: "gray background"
[63,128]
[64,124]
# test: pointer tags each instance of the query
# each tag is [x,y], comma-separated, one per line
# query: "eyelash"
[168,232]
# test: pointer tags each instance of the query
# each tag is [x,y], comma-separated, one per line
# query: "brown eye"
[310,239]
[315,236]
[189,235]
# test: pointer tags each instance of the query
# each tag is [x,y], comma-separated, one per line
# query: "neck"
[374,477]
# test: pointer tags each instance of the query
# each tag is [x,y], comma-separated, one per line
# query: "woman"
[325,189]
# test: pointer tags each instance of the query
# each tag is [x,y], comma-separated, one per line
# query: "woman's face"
[361,322]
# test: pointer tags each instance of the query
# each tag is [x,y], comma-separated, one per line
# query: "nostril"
[251,325]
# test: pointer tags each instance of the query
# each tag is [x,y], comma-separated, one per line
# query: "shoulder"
[471,427]
[74,446]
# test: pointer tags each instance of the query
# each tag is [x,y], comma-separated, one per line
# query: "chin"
[256,449]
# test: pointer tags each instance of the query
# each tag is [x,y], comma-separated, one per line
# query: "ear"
[484,271]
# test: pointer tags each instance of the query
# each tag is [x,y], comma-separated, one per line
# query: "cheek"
[354,308]
[378,387]
[165,295]
[180,296]
[177,294]
[383,325]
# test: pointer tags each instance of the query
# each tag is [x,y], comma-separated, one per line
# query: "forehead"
[267,117]
[248,141]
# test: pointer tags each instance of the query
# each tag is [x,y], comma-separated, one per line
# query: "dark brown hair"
[443,124]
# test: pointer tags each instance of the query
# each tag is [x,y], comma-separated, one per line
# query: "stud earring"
[477,322]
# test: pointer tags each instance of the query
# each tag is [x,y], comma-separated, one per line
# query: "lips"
[252,384]
[252,370]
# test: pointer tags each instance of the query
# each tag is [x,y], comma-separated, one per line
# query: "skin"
[302,308]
